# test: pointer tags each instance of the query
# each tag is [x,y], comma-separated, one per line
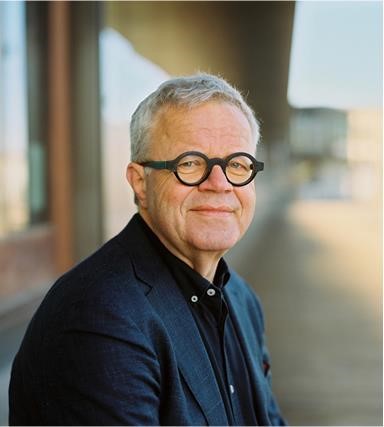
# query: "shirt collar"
[192,284]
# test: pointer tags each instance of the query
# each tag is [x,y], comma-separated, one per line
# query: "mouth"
[216,211]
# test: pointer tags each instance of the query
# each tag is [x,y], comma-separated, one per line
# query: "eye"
[189,164]
[238,165]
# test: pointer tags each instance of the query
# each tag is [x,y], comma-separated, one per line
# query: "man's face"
[214,215]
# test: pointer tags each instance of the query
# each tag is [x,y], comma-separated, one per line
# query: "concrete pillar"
[85,116]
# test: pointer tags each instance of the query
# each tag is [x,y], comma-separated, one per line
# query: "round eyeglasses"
[192,168]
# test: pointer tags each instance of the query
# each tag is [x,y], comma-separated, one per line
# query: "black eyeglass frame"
[172,166]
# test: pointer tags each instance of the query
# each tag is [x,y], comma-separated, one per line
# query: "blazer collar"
[173,309]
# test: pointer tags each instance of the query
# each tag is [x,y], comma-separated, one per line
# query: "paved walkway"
[317,272]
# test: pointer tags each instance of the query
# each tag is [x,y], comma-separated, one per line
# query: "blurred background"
[72,73]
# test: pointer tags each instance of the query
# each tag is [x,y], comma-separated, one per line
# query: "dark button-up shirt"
[213,319]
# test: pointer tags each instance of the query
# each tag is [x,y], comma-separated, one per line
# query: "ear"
[136,177]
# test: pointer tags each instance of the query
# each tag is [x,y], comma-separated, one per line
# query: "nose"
[216,181]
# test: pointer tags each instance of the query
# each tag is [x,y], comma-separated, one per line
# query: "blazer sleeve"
[104,375]
[274,413]
[249,313]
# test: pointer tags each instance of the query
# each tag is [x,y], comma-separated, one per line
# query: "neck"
[204,263]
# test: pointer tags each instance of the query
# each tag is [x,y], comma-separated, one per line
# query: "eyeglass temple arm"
[167,164]
[259,166]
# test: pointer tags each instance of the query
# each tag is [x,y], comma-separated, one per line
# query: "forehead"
[212,124]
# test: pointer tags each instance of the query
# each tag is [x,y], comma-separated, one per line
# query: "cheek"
[167,197]
[247,198]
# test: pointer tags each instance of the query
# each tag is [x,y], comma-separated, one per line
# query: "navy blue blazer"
[114,342]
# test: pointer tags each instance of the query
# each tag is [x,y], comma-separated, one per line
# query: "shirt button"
[194,298]
[211,292]
[231,388]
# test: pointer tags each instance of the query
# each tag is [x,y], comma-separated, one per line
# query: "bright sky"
[337,54]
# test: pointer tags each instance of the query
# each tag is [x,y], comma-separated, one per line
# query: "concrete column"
[59,133]
[85,117]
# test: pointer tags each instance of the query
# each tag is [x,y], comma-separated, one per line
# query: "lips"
[213,210]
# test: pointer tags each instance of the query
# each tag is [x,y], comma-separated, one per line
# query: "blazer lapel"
[168,301]
[194,363]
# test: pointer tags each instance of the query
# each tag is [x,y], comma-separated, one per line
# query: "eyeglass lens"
[192,168]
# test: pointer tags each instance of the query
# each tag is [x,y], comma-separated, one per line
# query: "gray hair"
[187,92]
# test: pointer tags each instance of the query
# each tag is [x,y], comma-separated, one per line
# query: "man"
[153,328]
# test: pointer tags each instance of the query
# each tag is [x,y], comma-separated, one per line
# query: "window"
[13,119]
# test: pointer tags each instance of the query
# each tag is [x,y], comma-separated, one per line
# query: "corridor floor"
[318,273]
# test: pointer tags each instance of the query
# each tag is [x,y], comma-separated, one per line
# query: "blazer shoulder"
[105,283]
[105,271]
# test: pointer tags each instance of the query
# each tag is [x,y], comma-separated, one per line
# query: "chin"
[213,241]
